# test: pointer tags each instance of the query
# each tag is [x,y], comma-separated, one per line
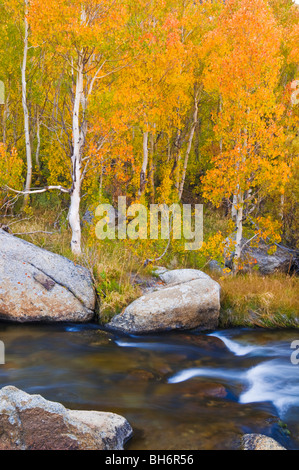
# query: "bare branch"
[19,220]
[38,191]
[33,233]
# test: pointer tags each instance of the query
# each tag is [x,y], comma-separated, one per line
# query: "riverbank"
[247,300]
[252,300]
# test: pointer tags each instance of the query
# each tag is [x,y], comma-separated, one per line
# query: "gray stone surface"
[37,285]
[280,261]
[190,304]
[259,442]
[177,276]
[30,422]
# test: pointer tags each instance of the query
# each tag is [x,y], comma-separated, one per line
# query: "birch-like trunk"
[38,141]
[238,209]
[177,163]
[220,110]
[239,227]
[234,205]
[152,169]
[5,118]
[282,203]
[78,143]
[144,163]
[25,109]
[191,136]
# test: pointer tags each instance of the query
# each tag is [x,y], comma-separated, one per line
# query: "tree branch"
[38,191]
[32,233]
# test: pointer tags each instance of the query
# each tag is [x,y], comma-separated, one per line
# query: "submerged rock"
[30,422]
[259,442]
[37,285]
[198,390]
[193,301]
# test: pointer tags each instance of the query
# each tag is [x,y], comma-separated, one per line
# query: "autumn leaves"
[154,100]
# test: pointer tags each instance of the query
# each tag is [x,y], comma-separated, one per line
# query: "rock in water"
[192,302]
[259,442]
[29,422]
[37,285]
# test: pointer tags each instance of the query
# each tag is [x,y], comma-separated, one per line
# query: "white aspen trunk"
[168,150]
[144,163]
[177,161]
[282,201]
[221,140]
[4,125]
[78,143]
[191,136]
[238,210]
[151,169]
[234,210]
[25,109]
[5,117]
[38,141]
[239,226]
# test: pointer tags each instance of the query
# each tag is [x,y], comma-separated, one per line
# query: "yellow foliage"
[11,167]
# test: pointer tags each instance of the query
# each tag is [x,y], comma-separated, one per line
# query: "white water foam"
[254,350]
[143,345]
[273,381]
[188,374]
[236,348]
[73,329]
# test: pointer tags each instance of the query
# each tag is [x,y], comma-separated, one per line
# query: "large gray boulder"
[259,442]
[37,285]
[281,260]
[178,276]
[30,422]
[190,300]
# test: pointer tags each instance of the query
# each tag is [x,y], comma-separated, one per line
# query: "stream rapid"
[179,391]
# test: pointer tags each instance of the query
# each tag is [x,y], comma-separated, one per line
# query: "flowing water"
[181,391]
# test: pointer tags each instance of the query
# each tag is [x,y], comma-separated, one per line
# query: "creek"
[179,391]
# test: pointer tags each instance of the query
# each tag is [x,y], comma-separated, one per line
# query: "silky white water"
[275,381]
[180,390]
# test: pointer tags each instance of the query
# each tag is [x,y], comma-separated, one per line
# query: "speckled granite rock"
[29,422]
[191,299]
[178,276]
[37,285]
[259,442]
